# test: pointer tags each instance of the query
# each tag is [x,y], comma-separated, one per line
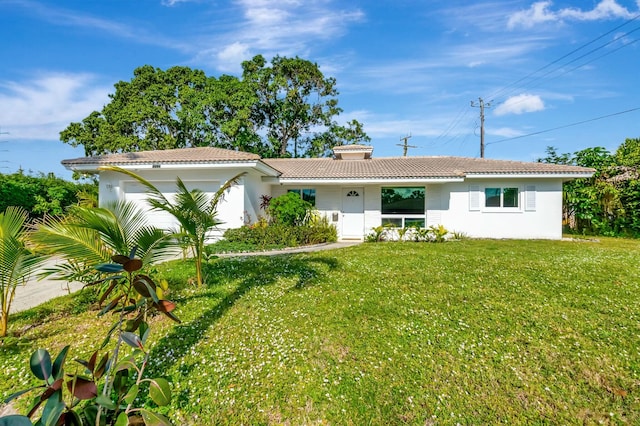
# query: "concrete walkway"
[35,292]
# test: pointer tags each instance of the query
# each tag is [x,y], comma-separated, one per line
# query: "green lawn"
[469,332]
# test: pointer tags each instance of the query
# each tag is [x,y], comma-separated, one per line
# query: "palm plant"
[196,213]
[17,262]
[89,236]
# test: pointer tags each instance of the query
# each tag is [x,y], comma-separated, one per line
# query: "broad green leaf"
[52,409]
[160,391]
[40,364]
[109,267]
[131,339]
[154,419]
[22,392]
[131,395]
[57,370]
[122,420]
[105,402]
[144,331]
[126,364]
[15,420]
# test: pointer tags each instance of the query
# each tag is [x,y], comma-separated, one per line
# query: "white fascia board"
[259,165]
[529,175]
[374,181]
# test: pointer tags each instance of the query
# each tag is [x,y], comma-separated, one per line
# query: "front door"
[352,212]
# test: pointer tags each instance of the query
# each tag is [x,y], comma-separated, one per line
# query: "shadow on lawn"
[253,272]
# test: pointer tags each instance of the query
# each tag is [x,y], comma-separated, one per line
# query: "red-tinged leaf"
[132,340]
[107,292]
[173,317]
[111,305]
[154,419]
[165,305]
[133,265]
[71,418]
[92,362]
[40,364]
[82,388]
[51,390]
[109,267]
[121,259]
[101,367]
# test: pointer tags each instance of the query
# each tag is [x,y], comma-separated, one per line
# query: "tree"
[17,262]
[285,108]
[194,211]
[146,113]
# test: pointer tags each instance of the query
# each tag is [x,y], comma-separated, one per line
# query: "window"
[403,206]
[501,197]
[403,200]
[308,195]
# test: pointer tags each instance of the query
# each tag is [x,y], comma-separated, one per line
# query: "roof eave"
[362,181]
[530,175]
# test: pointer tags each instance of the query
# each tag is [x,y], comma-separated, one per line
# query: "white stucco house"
[480,197]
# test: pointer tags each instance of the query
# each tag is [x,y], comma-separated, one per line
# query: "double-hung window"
[403,206]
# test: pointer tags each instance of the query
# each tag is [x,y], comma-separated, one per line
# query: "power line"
[482,105]
[499,92]
[565,126]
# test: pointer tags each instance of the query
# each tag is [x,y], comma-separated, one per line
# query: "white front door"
[352,212]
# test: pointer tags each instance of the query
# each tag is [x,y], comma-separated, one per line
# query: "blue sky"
[402,67]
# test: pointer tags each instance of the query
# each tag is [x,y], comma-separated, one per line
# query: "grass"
[469,332]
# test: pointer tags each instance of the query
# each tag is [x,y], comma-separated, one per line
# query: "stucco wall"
[544,222]
[231,211]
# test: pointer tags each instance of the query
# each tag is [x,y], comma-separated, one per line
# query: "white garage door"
[136,193]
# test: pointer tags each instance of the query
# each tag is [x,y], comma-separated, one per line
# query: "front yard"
[468,332]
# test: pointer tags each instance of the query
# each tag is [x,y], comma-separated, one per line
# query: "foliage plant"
[289,209]
[17,262]
[608,203]
[88,236]
[42,194]
[262,235]
[196,213]
[104,390]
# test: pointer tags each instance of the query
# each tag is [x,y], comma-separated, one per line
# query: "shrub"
[318,230]
[289,209]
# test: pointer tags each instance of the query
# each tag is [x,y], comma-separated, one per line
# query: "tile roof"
[329,168]
[411,167]
[168,156]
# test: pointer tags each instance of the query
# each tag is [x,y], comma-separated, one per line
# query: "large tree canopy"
[285,108]
[609,202]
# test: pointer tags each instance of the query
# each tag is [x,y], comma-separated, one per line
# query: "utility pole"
[405,145]
[482,105]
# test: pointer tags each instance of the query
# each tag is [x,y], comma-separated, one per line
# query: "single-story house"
[357,192]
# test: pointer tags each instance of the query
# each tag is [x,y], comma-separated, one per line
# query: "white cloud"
[43,106]
[284,27]
[540,12]
[520,104]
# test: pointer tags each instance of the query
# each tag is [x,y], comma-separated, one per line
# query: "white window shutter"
[530,198]
[474,197]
